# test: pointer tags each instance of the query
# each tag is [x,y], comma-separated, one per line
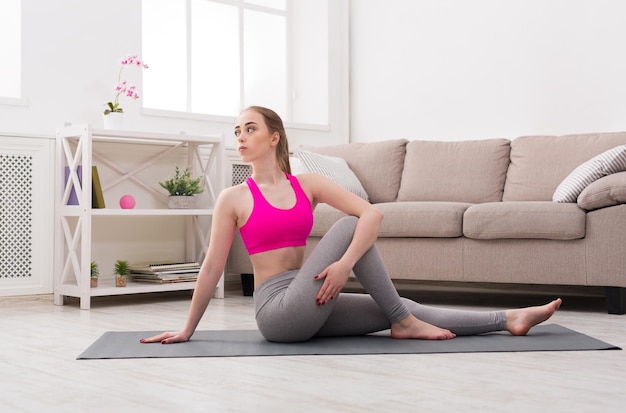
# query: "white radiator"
[26,215]
[239,173]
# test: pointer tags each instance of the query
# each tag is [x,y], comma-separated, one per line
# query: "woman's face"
[252,135]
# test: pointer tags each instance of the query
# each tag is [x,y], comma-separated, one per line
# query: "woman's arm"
[223,227]
[323,190]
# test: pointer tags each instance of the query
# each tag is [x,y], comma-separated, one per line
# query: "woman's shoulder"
[312,179]
[233,194]
[236,190]
[318,188]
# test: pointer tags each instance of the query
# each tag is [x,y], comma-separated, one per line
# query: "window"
[215,57]
[10,50]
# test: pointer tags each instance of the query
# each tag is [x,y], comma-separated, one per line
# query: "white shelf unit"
[78,145]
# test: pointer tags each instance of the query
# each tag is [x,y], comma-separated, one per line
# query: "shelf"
[80,145]
[126,136]
[77,210]
[151,212]
[107,287]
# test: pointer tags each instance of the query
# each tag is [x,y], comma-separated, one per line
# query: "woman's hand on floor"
[167,338]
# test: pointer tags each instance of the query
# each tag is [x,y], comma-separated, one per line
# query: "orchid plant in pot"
[113,109]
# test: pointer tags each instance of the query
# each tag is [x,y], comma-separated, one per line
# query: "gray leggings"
[286,310]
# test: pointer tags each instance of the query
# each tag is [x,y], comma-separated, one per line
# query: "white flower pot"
[181,202]
[113,120]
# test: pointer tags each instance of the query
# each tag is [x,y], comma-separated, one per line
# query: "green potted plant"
[121,271]
[95,272]
[182,188]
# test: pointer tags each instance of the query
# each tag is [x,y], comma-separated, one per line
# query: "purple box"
[73,199]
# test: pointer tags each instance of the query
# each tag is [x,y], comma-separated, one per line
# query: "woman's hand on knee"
[335,277]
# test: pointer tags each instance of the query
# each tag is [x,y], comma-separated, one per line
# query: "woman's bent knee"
[346,224]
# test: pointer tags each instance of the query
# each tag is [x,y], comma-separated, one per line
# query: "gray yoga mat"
[240,343]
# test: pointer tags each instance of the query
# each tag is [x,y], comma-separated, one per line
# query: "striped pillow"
[607,163]
[336,169]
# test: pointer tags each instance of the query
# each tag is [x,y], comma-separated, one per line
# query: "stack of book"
[165,272]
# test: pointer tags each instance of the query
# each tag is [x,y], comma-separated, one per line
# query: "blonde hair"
[275,124]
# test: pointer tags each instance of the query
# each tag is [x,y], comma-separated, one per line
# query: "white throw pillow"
[606,163]
[296,166]
[336,169]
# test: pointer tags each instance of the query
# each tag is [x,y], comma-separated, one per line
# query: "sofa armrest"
[606,191]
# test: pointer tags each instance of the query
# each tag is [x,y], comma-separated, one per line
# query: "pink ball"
[127,202]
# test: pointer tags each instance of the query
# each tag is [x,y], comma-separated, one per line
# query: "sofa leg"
[616,300]
[247,284]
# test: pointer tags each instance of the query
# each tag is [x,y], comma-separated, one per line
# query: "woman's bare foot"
[411,327]
[520,321]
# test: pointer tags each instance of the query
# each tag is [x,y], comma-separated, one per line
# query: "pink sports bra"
[270,228]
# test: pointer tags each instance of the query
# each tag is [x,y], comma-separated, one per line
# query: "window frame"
[337,27]
[19,100]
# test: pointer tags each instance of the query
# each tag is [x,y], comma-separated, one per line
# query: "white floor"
[40,341]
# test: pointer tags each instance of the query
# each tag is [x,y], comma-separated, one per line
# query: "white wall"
[421,69]
[457,70]
[71,53]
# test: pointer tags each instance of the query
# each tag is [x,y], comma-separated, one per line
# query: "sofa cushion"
[540,163]
[607,191]
[324,217]
[332,167]
[468,171]
[606,163]
[405,219]
[534,220]
[378,165]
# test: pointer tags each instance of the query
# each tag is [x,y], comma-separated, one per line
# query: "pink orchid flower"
[123,88]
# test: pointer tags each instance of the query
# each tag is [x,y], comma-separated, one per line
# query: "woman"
[296,300]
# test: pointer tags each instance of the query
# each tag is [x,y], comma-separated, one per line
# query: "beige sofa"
[482,211]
